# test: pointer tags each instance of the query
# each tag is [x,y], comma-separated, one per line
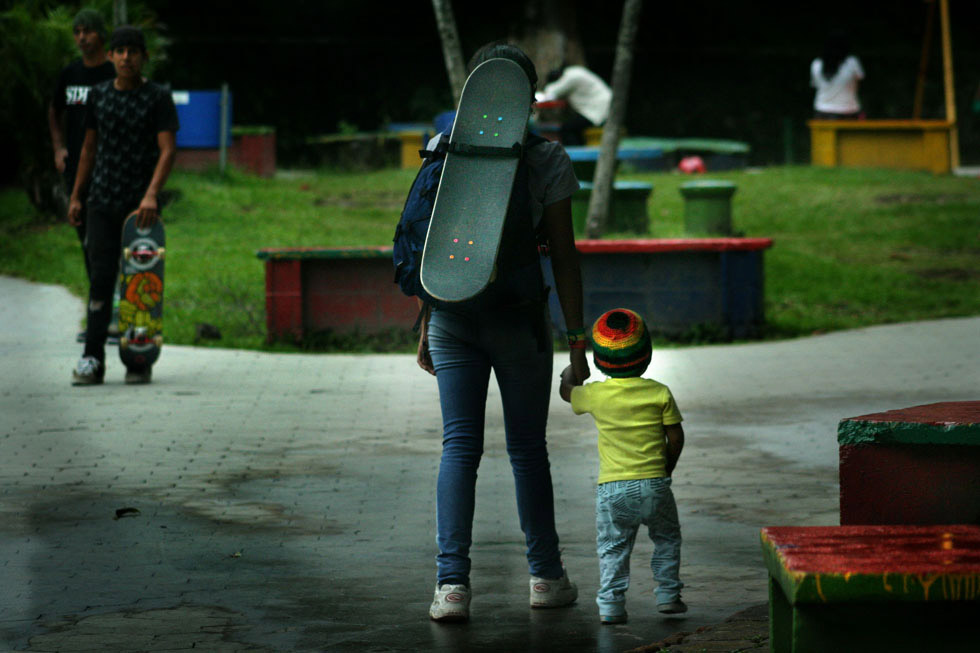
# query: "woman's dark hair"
[835,50]
[504,50]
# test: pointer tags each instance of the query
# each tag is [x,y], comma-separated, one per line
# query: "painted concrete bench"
[918,465]
[586,157]
[718,154]
[628,213]
[708,206]
[873,588]
[677,285]
[345,290]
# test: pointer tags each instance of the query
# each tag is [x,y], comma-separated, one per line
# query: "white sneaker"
[548,593]
[450,603]
[88,371]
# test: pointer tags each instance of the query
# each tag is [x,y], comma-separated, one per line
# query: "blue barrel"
[199,113]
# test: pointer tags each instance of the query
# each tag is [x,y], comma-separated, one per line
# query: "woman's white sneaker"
[450,603]
[550,593]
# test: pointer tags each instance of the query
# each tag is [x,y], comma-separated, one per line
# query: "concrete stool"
[708,207]
[628,212]
[873,588]
[918,465]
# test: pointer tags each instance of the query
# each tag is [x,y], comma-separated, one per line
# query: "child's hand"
[674,436]
[568,375]
[568,381]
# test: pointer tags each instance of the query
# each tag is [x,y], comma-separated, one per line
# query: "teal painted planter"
[708,207]
[628,213]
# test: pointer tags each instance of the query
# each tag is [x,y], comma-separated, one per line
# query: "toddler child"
[640,440]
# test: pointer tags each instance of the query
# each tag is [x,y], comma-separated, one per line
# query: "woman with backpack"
[461,346]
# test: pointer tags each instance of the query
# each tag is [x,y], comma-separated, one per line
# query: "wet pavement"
[246,501]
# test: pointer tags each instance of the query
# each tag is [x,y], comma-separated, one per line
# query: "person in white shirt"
[835,75]
[588,98]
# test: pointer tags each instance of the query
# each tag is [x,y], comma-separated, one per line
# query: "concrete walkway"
[286,502]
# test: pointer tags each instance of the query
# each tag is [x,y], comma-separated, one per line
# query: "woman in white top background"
[835,75]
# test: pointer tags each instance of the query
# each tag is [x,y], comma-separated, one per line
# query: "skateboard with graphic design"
[141,294]
[485,147]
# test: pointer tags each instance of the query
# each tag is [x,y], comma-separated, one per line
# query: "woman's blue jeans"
[464,348]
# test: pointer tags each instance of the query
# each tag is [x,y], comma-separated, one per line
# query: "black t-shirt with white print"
[127,124]
[70,95]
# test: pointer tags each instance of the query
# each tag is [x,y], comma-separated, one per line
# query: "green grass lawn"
[852,247]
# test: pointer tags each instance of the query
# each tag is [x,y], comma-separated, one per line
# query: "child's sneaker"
[450,603]
[672,607]
[88,371]
[611,619]
[548,593]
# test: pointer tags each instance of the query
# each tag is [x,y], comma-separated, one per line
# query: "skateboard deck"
[474,191]
[141,294]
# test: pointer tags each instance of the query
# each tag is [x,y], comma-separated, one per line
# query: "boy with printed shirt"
[127,155]
[640,441]
[66,113]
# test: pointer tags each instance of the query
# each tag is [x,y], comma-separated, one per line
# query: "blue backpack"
[519,278]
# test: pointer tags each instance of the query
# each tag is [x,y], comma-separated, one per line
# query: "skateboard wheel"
[123,342]
[126,252]
[158,340]
[161,253]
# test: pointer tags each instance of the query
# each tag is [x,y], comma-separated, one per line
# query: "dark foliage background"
[710,68]
[713,68]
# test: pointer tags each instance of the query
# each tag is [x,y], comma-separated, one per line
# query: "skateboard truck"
[138,336]
[143,253]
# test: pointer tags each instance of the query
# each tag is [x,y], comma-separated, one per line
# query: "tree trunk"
[452,52]
[602,182]
[120,14]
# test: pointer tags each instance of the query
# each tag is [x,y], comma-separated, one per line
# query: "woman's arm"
[568,275]
[423,358]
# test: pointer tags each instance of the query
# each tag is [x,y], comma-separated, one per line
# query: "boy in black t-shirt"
[127,154]
[66,113]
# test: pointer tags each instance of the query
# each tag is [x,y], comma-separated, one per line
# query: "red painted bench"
[310,289]
[918,465]
[873,588]
[676,284]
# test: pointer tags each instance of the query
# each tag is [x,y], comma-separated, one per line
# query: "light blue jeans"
[621,507]
[464,348]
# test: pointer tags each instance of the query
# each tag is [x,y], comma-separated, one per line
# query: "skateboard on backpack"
[485,147]
[141,294]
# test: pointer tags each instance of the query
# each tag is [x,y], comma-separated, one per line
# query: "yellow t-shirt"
[630,415]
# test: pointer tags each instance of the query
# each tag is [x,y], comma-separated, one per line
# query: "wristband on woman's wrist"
[576,338]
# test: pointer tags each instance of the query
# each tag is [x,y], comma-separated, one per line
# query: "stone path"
[286,502]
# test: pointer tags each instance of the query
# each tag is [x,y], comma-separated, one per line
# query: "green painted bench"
[873,588]
[627,214]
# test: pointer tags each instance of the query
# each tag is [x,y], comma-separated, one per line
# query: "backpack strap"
[513,152]
[440,152]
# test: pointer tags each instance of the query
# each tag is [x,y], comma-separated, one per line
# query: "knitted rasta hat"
[621,343]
